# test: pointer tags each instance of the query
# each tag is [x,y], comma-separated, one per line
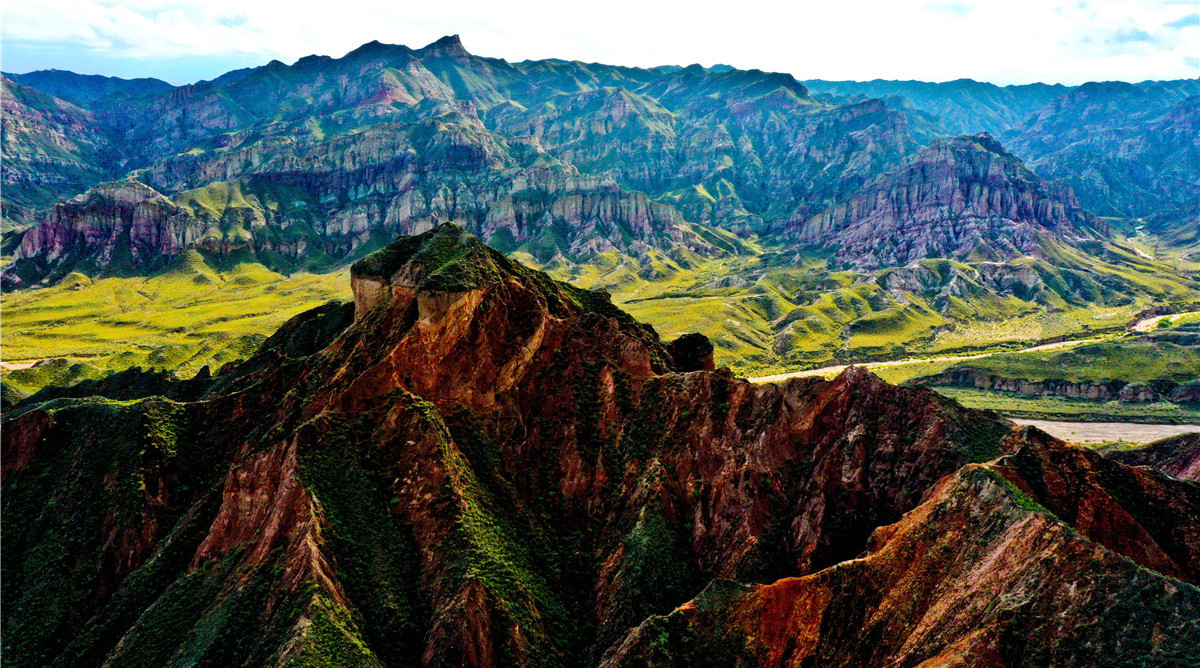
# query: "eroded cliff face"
[965,198]
[491,468]
[118,225]
[1116,390]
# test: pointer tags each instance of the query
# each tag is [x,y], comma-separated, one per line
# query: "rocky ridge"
[1177,456]
[482,466]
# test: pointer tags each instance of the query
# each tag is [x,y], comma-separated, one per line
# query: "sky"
[1002,41]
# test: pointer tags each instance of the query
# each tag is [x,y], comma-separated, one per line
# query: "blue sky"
[1014,41]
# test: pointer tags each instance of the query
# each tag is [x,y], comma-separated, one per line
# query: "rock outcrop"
[487,467]
[115,226]
[1186,393]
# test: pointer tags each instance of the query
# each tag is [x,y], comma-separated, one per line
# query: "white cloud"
[1014,41]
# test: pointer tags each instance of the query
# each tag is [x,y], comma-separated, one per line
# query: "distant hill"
[87,88]
[964,106]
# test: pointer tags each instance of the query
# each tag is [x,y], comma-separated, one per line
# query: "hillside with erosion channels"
[963,199]
[475,464]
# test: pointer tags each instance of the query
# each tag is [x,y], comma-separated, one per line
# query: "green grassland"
[183,319]
[1055,408]
[764,310]
[1134,360]
[767,312]
[1163,358]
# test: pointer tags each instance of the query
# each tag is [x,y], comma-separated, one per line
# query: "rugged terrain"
[475,464]
[794,225]
[308,161]
[1128,149]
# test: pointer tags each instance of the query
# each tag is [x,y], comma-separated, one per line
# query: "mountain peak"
[982,141]
[960,198]
[449,46]
[377,48]
[423,256]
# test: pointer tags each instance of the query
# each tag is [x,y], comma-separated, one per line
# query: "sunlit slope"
[771,311]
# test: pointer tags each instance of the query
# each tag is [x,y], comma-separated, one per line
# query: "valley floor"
[898,370]
[1086,433]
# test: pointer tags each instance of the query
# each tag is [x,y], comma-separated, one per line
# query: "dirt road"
[1147,324]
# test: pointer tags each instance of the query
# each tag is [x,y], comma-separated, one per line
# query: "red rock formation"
[980,574]
[116,224]
[491,468]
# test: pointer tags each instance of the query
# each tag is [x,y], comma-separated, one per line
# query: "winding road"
[1143,325]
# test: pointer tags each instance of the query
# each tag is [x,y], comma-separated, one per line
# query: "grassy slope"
[1157,356]
[1140,360]
[782,315]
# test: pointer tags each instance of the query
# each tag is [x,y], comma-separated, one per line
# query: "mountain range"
[303,163]
[519,438]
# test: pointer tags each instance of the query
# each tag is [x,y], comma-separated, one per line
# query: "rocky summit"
[474,464]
